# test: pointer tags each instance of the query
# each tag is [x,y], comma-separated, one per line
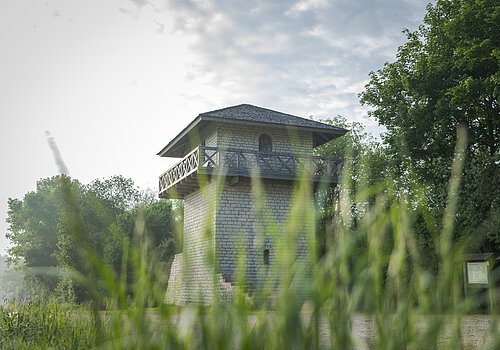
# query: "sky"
[113,81]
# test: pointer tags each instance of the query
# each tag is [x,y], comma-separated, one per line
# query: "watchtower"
[221,152]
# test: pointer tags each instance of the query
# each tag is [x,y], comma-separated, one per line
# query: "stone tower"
[221,151]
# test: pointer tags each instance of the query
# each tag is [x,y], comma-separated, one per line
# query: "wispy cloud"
[306,56]
[305,5]
[262,44]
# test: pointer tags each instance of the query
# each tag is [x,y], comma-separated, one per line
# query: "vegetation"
[45,326]
[47,233]
[357,146]
[447,75]
[394,227]
[387,280]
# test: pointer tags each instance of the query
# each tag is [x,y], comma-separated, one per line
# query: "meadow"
[370,289]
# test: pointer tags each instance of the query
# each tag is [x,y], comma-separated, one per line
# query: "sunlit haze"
[113,81]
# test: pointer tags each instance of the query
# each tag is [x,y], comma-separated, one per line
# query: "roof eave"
[325,136]
[336,131]
[183,133]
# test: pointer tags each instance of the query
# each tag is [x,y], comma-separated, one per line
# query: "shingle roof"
[250,115]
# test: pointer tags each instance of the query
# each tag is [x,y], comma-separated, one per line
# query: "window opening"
[265,143]
[266,257]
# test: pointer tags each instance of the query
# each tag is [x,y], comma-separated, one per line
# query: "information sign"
[477,272]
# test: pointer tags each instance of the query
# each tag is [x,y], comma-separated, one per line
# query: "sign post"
[478,284]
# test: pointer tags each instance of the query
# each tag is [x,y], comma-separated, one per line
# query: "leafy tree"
[119,193]
[33,225]
[360,149]
[73,226]
[365,160]
[159,225]
[447,74]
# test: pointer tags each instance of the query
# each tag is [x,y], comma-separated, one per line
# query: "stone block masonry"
[199,224]
[231,136]
[176,293]
[253,223]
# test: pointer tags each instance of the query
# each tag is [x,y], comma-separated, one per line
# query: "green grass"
[49,325]
[411,306]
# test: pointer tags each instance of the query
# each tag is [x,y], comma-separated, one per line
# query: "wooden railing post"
[200,154]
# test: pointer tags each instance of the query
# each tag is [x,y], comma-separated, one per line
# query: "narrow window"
[265,143]
[266,257]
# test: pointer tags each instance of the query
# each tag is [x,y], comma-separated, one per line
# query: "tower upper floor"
[246,140]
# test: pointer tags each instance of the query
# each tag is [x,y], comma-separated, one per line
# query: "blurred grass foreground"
[366,286]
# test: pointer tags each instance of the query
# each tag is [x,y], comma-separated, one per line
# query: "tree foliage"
[364,163]
[360,149]
[447,74]
[63,221]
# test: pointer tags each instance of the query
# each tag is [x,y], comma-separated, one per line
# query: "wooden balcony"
[204,162]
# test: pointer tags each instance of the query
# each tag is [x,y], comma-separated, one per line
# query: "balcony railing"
[233,162]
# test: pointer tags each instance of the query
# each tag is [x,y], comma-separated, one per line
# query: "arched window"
[265,143]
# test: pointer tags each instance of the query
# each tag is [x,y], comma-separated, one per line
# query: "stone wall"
[245,222]
[227,135]
[228,219]
[176,291]
[198,250]
[248,222]
[209,135]
[247,138]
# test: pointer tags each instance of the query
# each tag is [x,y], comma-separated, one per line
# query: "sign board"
[477,272]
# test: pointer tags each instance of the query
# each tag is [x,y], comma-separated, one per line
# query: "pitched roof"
[251,115]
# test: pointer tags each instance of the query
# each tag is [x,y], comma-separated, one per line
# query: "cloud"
[262,43]
[305,5]
[305,57]
[321,33]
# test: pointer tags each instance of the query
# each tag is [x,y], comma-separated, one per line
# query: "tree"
[363,152]
[68,225]
[159,227]
[33,225]
[119,192]
[366,165]
[447,74]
